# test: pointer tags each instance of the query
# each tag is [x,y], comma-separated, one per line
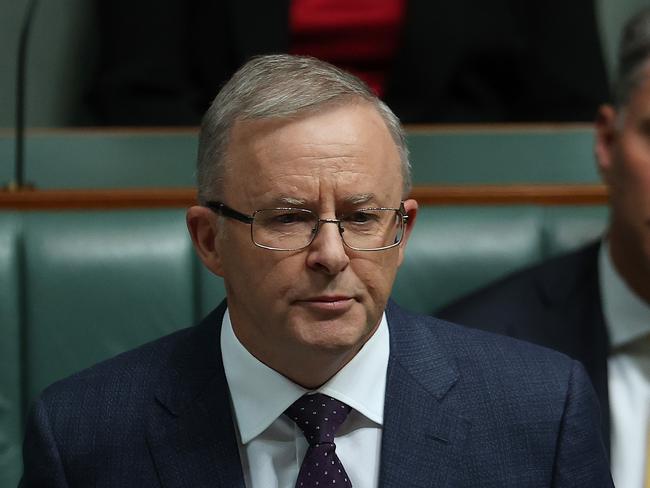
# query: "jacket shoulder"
[524,293]
[486,352]
[133,375]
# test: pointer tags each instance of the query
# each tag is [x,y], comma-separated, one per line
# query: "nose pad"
[318,228]
[321,228]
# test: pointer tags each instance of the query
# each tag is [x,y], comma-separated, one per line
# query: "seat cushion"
[99,283]
[10,348]
[454,250]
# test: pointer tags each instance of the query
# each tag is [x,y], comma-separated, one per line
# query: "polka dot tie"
[319,417]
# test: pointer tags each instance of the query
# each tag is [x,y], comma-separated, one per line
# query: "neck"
[315,373]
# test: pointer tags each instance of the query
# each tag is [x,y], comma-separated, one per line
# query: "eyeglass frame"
[221,208]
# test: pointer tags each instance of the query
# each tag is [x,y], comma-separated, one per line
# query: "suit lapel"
[190,430]
[574,318]
[422,439]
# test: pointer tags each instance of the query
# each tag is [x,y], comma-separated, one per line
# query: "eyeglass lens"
[295,228]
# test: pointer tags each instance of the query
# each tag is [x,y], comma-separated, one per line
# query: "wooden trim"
[185,197]
[97,199]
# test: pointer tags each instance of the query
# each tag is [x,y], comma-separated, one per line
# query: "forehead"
[338,147]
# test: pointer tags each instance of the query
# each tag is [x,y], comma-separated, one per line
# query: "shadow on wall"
[62,42]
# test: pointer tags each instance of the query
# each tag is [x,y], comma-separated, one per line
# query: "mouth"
[328,303]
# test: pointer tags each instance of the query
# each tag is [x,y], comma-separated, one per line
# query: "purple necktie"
[319,417]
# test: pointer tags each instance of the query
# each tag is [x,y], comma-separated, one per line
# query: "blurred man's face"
[324,301]
[623,151]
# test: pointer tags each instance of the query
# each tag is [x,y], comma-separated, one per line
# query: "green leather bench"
[10,349]
[80,286]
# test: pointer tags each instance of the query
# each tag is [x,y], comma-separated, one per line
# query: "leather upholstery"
[10,349]
[123,159]
[99,283]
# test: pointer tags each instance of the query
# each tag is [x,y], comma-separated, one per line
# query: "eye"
[361,217]
[289,217]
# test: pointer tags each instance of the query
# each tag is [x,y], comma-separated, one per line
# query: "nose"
[327,252]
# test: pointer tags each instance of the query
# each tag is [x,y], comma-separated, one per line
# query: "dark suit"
[463,408]
[556,304]
[161,62]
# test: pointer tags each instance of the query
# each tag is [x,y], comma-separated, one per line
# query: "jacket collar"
[569,289]
[574,317]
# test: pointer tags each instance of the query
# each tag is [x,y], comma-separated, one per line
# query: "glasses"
[292,229]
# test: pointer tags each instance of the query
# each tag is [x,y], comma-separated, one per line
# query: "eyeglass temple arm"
[402,212]
[226,211]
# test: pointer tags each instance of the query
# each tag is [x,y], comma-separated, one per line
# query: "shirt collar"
[627,316]
[361,383]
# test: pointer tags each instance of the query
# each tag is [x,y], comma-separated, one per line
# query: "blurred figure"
[161,62]
[594,304]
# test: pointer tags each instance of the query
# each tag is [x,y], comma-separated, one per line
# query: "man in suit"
[594,303]
[308,375]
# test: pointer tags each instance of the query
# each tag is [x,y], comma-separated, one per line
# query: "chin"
[333,335]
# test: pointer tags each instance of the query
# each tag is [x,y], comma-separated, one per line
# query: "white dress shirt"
[627,318]
[271,446]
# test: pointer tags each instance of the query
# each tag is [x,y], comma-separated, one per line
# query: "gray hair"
[633,56]
[281,86]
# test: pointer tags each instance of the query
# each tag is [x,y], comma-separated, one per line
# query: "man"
[594,304]
[308,376]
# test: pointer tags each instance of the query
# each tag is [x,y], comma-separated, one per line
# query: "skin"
[305,313]
[623,155]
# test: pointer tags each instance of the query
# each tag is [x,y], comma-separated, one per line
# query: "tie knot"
[318,416]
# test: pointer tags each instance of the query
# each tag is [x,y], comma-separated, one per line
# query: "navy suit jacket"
[463,408]
[556,304]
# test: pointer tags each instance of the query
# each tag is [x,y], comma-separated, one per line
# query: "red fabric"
[360,36]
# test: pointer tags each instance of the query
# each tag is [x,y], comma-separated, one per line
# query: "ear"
[203,228]
[607,134]
[411,207]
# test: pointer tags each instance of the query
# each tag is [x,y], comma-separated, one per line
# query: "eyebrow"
[359,199]
[289,201]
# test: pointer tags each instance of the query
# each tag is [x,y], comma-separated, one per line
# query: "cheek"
[274,277]
[634,187]
[377,274]
[247,270]
[629,180]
